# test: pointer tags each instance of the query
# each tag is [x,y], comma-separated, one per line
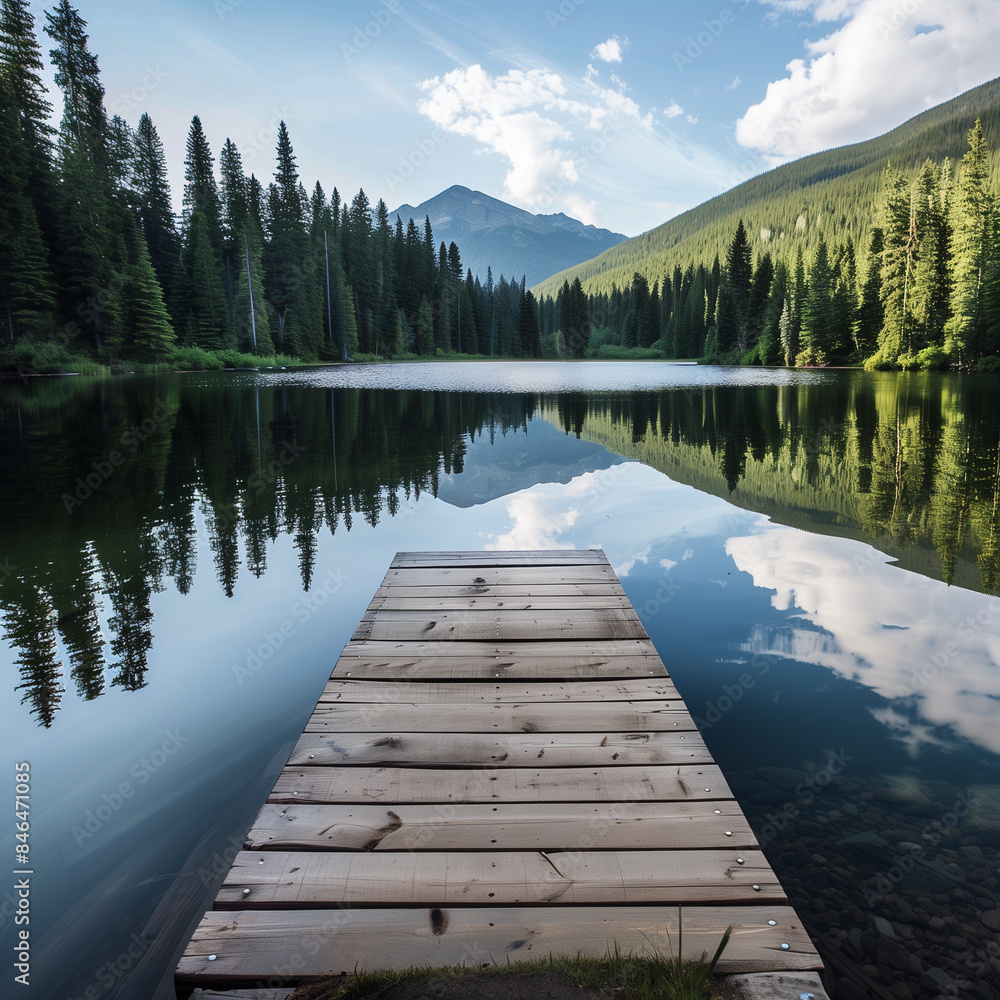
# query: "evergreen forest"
[922,292]
[97,272]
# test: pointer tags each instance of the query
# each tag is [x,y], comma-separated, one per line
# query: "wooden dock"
[499,768]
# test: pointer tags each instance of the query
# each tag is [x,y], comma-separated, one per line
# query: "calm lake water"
[815,555]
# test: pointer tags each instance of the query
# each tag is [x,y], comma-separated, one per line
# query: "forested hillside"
[834,193]
[900,270]
[96,271]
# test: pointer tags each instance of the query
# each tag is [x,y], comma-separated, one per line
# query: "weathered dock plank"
[499,626]
[420,749]
[473,692]
[562,717]
[516,784]
[495,878]
[684,825]
[377,663]
[499,767]
[503,576]
[514,649]
[489,602]
[336,942]
[510,557]
[523,590]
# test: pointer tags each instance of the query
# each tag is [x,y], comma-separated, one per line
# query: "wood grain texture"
[499,575]
[251,944]
[610,750]
[566,717]
[499,626]
[611,588]
[490,602]
[421,620]
[385,692]
[380,665]
[389,785]
[511,557]
[508,826]
[501,650]
[300,879]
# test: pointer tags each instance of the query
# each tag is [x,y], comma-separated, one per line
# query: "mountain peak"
[513,242]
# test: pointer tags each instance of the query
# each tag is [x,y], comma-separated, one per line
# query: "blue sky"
[622,114]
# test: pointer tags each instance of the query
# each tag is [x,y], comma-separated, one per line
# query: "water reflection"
[101,483]
[930,651]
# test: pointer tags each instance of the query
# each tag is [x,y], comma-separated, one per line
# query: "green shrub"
[194,359]
[615,352]
[933,359]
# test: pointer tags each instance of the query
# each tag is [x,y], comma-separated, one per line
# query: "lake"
[815,554]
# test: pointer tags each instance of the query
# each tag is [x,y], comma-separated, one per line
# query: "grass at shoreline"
[28,359]
[623,976]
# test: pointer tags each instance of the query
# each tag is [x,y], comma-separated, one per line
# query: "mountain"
[499,464]
[491,233]
[837,189]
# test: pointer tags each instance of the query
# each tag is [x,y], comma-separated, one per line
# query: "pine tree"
[425,327]
[386,310]
[206,316]
[148,333]
[201,193]
[871,313]
[769,344]
[739,274]
[21,69]
[898,259]
[251,322]
[817,333]
[726,325]
[650,326]
[787,333]
[91,251]
[121,143]
[575,325]
[844,302]
[294,284]
[358,263]
[760,290]
[152,190]
[971,238]
[27,286]
[931,292]
[694,328]
[528,328]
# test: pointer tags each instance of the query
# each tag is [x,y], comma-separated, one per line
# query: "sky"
[621,114]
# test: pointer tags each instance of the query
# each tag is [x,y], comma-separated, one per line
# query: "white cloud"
[931,650]
[610,51]
[692,120]
[530,119]
[536,525]
[622,569]
[885,61]
[673,109]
